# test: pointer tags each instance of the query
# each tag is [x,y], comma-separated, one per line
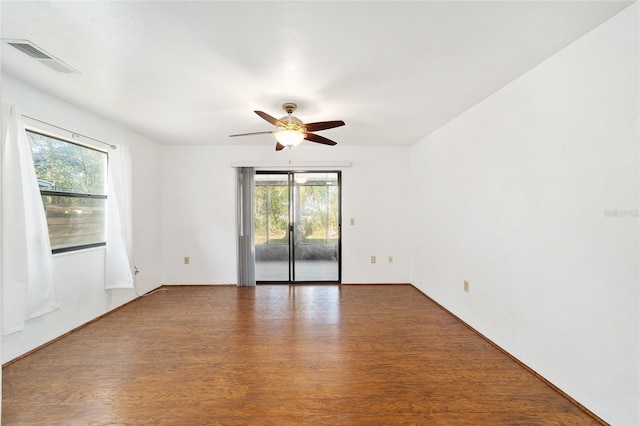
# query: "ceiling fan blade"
[323,125]
[269,118]
[279,146]
[253,133]
[320,139]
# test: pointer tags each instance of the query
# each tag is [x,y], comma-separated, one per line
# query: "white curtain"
[27,263]
[119,248]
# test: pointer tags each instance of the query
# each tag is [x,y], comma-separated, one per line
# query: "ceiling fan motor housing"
[291,122]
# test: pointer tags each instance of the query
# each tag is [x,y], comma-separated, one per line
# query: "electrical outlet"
[373,259]
[352,221]
[466,286]
[186,260]
[390,259]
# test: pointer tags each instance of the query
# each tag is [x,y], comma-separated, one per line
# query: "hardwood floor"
[279,355]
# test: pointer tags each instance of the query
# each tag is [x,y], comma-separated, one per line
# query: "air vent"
[30,49]
[57,65]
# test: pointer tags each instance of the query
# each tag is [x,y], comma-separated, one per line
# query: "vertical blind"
[244,211]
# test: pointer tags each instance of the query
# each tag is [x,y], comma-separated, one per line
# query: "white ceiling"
[193,72]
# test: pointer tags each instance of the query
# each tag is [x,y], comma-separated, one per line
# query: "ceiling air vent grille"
[30,49]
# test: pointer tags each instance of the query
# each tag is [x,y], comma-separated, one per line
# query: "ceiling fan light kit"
[289,138]
[291,131]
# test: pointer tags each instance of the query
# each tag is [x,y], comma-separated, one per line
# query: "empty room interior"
[320,212]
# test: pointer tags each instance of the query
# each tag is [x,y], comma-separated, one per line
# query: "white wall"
[519,196]
[79,276]
[199,210]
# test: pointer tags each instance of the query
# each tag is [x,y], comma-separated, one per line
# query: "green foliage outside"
[319,213]
[64,167]
[271,213]
[317,216]
[67,167]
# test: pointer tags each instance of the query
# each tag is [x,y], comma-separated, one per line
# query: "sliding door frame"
[292,225]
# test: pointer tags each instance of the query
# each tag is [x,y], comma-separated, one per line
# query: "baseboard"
[197,285]
[379,284]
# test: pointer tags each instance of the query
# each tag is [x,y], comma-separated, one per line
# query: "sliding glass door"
[297,227]
[316,236]
[272,234]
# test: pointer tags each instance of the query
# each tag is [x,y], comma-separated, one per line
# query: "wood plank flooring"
[279,355]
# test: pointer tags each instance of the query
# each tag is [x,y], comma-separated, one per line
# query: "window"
[72,180]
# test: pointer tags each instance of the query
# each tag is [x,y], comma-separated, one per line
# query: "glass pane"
[74,221]
[66,167]
[272,227]
[316,198]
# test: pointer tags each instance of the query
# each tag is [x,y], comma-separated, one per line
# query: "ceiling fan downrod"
[289,107]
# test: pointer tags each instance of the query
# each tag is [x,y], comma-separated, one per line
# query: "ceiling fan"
[291,130]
